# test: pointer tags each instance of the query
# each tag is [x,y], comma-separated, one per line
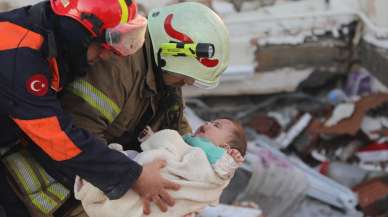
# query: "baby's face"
[219,131]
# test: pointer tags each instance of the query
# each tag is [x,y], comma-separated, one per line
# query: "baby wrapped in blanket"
[202,164]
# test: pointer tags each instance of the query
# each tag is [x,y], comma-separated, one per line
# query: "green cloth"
[213,152]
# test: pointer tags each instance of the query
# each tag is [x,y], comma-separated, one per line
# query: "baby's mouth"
[199,130]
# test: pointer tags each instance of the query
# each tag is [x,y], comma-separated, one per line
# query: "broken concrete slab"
[320,79]
[319,186]
[373,196]
[321,53]
[351,125]
[375,59]
[282,80]
[294,131]
[224,210]
[373,153]
[341,112]
[266,125]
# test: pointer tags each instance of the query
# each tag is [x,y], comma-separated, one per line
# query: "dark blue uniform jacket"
[30,109]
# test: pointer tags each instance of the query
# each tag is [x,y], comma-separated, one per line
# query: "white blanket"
[186,165]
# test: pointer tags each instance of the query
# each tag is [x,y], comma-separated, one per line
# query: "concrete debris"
[339,117]
[223,210]
[276,185]
[266,125]
[372,127]
[272,82]
[320,78]
[373,153]
[359,82]
[373,196]
[347,174]
[352,125]
[281,135]
[282,185]
[318,187]
[337,96]
[341,111]
[321,54]
[314,208]
[265,83]
[294,131]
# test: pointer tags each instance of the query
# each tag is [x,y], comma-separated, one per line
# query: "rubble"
[294,131]
[223,210]
[274,175]
[347,174]
[373,196]
[341,111]
[263,83]
[352,125]
[308,58]
[266,125]
[373,153]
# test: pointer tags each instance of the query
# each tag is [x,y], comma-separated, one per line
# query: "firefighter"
[185,43]
[42,48]
[120,96]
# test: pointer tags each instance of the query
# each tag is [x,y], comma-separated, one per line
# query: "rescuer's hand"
[152,187]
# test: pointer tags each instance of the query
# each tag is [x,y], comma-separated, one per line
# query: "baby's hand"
[145,134]
[236,155]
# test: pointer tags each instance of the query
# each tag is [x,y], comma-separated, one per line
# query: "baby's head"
[225,132]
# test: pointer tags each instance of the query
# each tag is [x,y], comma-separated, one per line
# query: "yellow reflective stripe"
[43,202]
[55,188]
[23,168]
[23,171]
[30,176]
[124,11]
[95,98]
[59,191]
[46,178]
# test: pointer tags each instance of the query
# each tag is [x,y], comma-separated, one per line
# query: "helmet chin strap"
[159,71]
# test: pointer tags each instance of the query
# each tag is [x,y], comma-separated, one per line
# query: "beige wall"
[377,11]
[10,4]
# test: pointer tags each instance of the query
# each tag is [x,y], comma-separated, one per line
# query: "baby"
[219,139]
[202,164]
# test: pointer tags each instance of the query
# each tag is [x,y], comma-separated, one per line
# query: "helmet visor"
[126,38]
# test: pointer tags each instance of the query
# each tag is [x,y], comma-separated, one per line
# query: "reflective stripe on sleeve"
[95,98]
[43,192]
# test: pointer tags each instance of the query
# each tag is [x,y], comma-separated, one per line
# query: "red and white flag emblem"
[37,85]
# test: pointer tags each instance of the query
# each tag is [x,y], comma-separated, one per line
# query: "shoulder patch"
[37,85]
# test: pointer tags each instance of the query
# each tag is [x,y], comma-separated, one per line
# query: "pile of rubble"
[319,151]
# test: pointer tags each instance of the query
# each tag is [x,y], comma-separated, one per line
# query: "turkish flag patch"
[37,85]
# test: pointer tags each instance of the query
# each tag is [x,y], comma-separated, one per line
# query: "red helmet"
[96,15]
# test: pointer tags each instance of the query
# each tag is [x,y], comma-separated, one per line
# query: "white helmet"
[191,40]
